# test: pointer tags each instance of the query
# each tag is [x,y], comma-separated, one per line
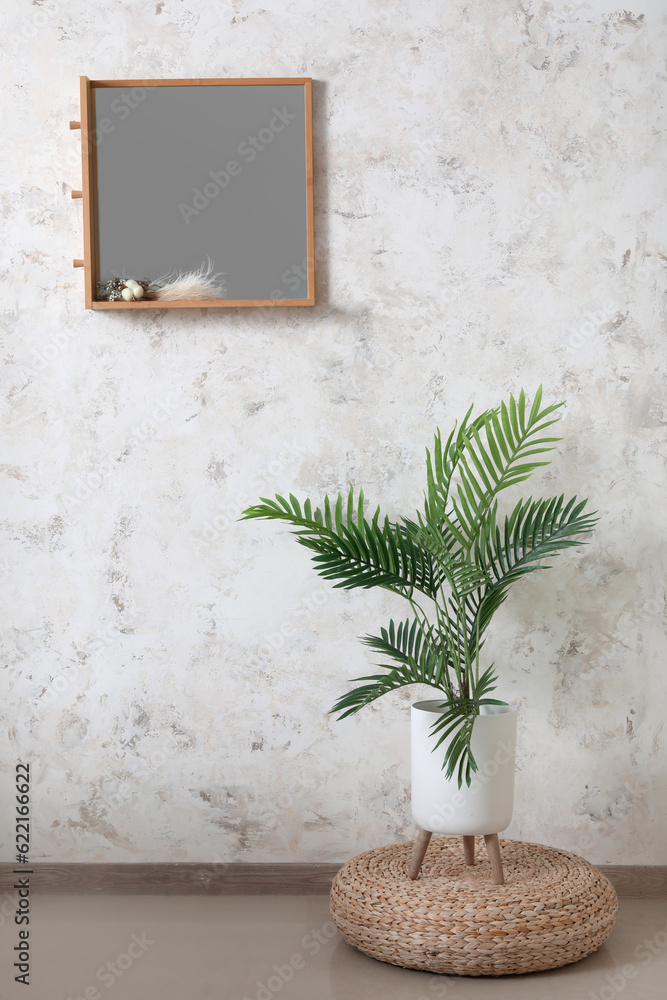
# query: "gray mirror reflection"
[188,175]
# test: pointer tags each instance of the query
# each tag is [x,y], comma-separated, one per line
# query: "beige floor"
[243,948]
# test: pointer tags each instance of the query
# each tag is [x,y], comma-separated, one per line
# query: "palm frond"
[417,657]
[535,531]
[441,466]
[456,725]
[350,549]
[497,450]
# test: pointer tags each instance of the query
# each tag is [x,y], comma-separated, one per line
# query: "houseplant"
[458,554]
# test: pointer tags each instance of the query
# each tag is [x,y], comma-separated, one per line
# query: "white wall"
[487,176]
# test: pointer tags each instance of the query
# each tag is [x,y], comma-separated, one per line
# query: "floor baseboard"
[637,881]
[195,878]
[173,878]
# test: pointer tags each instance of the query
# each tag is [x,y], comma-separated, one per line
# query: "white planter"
[439,805]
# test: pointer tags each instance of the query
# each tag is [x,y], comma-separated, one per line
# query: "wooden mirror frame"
[89,195]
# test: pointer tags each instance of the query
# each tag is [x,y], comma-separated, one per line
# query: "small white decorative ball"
[127,294]
[131,283]
[138,291]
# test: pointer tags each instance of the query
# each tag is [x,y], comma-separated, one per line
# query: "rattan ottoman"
[553,909]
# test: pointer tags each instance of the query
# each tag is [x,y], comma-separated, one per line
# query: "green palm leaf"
[456,725]
[490,454]
[417,655]
[350,549]
[535,531]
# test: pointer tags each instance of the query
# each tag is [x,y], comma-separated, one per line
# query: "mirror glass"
[204,176]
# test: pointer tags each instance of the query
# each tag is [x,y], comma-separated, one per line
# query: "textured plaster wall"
[490,191]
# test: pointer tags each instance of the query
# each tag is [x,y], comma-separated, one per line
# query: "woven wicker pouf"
[554,908]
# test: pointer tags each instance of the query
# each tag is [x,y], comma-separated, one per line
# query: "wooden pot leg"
[421,845]
[493,850]
[469,850]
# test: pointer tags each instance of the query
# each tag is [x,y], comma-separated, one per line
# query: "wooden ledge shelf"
[201,304]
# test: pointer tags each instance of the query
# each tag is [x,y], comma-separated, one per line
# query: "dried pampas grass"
[200,285]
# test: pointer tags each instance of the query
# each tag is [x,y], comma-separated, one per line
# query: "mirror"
[199,191]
